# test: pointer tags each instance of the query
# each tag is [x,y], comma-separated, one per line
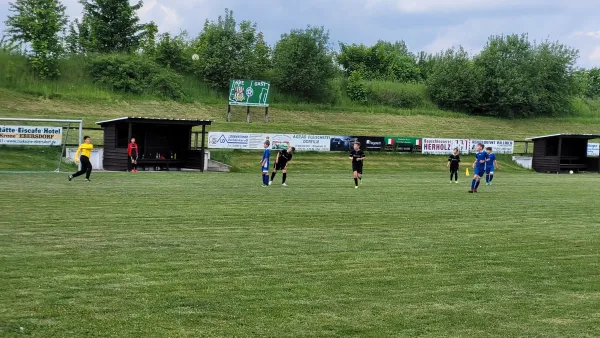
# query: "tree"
[37,23]
[227,52]
[170,52]
[520,78]
[453,81]
[113,25]
[592,83]
[303,63]
[382,61]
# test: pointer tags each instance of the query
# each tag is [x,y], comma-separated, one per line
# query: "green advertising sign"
[249,93]
[392,140]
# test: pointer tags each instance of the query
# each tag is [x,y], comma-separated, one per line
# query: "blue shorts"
[479,171]
[489,170]
[265,169]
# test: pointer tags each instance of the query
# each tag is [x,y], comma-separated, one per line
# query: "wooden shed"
[163,143]
[562,153]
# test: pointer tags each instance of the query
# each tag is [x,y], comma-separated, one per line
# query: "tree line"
[511,77]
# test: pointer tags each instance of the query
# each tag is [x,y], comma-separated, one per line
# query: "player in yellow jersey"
[85,149]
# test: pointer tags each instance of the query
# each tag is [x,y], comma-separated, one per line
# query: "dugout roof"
[584,136]
[157,120]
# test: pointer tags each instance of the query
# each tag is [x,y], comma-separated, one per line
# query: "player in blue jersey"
[490,165]
[479,167]
[265,163]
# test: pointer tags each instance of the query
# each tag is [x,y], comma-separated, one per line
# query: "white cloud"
[595,55]
[425,6]
[592,34]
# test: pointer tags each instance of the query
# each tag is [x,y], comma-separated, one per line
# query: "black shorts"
[453,169]
[358,167]
[133,158]
[280,166]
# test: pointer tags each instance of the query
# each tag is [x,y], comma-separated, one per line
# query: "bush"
[394,94]
[356,88]
[136,75]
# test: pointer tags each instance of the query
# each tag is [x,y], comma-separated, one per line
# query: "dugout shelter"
[163,143]
[563,153]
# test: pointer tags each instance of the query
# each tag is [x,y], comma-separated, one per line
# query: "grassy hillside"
[301,119]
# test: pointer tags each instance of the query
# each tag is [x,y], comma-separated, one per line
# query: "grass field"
[215,255]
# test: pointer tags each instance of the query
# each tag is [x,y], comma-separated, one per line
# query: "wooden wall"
[541,162]
[194,159]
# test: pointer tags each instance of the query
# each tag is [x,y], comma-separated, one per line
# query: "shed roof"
[156,120]
[585,136]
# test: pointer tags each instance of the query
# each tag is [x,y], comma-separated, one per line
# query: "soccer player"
[490,165]
[479,167]
[133,152]
[265,163]
[86,152]
[454,163]
[357,156]
[281,162]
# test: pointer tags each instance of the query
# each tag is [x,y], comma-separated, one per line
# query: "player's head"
[480,146]
[356,145]
[267,144]
[488,150]
[455,151]
[291,149]
[87,139]
[133,140]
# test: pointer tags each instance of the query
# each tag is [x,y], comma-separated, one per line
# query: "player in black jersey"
[357,156]
[283,158]
[454,164]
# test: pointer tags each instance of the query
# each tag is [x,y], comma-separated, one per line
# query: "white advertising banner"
[498,146]
[593,150]
[311,142]
[444,146]
[225,140]
[254,141]
[30,135]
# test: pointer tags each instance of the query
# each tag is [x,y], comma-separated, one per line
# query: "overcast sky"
[430,25]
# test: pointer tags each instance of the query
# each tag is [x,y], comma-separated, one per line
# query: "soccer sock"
[491,178]
[473,184]
[263,178]
[451,176]
[273,176]
[356,182]
[487,178]
[284,177]
[456,175]
[477,184]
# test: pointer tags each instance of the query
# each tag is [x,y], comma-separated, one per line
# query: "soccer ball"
[571,172]
[195,57]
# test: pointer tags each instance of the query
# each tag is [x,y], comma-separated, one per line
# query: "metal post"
[196,140]
[228,113]
[202,148]
[267,114]
[80,132]
[248,114]
[526,147]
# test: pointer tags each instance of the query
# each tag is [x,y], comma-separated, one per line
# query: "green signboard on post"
[249,93]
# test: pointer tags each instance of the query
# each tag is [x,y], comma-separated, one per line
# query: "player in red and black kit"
[133,152]
[357,156]
[283,158]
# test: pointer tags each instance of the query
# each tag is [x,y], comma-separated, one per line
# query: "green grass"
[31,159]
[214,255]
[333,162]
